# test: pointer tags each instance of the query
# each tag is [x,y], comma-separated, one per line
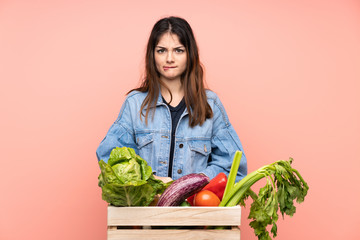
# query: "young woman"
[171,121]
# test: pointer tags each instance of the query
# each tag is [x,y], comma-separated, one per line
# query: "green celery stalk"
[286,185]
[233,173]
[240,188]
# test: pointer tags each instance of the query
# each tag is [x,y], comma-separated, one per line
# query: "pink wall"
[288,73]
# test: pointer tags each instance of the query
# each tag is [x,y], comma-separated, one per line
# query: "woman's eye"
[160,50]
[179,50]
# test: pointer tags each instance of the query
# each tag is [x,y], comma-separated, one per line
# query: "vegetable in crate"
[182,188]
[127,180]
[206,198]
[216,185]
[284,184]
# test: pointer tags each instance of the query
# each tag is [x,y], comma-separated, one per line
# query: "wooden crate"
[121,218]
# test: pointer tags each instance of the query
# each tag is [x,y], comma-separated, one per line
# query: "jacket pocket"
[201,147]
[145,145]
[144,139]
[199,155]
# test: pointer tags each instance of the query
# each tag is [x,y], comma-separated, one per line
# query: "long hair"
[192,78]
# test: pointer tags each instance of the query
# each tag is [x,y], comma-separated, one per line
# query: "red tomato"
[206,198]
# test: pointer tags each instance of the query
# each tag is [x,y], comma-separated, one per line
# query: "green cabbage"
[127,180]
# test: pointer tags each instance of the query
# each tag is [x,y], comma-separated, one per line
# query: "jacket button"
[181,145]
[179,171]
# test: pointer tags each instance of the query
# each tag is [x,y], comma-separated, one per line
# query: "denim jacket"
[207,149]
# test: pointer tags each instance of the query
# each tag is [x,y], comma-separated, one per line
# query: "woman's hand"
[164,179]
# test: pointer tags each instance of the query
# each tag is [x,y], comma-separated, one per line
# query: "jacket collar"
[160,102]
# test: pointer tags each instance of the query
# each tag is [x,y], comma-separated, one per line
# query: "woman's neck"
[177,92]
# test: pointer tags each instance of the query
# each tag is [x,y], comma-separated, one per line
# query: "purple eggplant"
[183,188]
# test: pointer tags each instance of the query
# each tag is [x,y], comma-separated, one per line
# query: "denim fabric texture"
[193,146]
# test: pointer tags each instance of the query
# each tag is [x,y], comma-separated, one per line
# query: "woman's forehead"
[169,39]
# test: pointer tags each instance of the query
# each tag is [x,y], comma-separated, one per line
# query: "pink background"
[288,73]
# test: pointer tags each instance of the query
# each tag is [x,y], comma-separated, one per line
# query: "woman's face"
[170,57]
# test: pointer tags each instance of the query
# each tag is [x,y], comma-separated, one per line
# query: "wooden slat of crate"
[173,234]
[174,216]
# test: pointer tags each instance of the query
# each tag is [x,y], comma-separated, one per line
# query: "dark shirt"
[176,113]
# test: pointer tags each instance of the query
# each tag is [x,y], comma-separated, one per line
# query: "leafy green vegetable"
[283,185]
[127,180]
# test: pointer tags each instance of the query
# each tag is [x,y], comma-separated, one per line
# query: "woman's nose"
[169,57]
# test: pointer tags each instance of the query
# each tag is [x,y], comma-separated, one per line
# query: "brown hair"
[192,78]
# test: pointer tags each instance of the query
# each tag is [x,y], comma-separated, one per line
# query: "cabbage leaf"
[127,180]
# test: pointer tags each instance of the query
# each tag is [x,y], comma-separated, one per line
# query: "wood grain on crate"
[174,216]
[174,234]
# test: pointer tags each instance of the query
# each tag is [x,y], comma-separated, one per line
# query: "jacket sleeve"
[120,134]
[224,143]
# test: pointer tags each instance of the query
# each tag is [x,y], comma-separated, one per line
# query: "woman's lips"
[166,68]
